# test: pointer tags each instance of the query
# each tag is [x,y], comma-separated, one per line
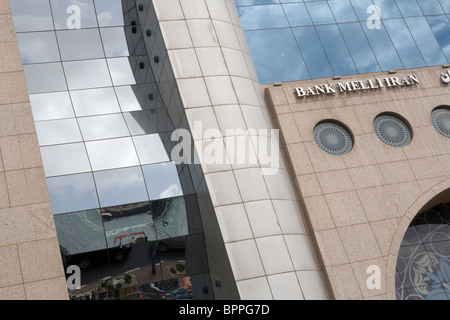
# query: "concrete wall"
[30,260]
[360,204]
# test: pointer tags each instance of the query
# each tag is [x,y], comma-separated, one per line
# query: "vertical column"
[30,260]
[268,245]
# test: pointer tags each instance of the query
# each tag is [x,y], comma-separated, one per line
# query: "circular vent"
[392,130]
[440,118]
[333,138]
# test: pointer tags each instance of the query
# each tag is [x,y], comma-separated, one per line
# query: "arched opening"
[423,262]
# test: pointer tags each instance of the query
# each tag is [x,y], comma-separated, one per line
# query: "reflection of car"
[85,259]
[171,243]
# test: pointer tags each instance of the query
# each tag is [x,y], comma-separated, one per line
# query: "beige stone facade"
[30,260]
[360,204]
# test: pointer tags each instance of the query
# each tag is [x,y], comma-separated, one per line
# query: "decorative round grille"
[392,130]
[440,118]
[333,138]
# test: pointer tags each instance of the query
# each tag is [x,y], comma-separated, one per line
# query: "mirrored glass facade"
[121,210]
[296,40]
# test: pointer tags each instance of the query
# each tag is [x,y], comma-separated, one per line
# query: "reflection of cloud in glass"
[162,179]
[172,191]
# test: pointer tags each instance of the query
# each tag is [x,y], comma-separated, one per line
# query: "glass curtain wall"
[120,211]
[296,40]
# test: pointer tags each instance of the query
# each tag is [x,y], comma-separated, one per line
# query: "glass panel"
[388,9]
[87,74]
[276,55]
[425,40]
[102,127]
[47,77]
[65,159]
[109,13]
[49,106]
[445,5]
[409,8]
[109,154]
[148,121]
[441,30]
[361,7]
[150,149]
[127,98]
[297,14]
[114,42]
[382,47]
[359,48]
[162,180]
[313,53]
[343,11]
[64,16]
[94,102]
[404,43]
[31,15]
[57,131]
[80,44]
[255,2]
[38,47]
[262,17]
[320,12]
[121,72]
[80,232]
[120,186]
[72,193]
[430,6]
[336,50]
[170,221]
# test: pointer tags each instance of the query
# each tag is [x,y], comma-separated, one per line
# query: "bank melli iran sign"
[351,86]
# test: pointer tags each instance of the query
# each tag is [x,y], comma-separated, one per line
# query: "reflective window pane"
[67,12]
[57,131]
[120,186]
[359,48]
[50,106]
[276,55]
[426,41]
[320,12]
[47,77]
[404,43]
[103,127]
[80,232]
[170,220]
[109,154]
[343,11]
[87,74]
[80,44]
[409,8]
[31,15]
[162,180]
[114,42]
[262,17]
[150,149]
[297,14]
[383,48]
[38,47]
[109,13]
[148,121]
[94,102]
[127,96]
[336,50]
[255,2]
[313,53]
[65,159]
[445,5]
[121,72]
[388,9]
[72,193]
[430,6]
[361,7]
[441,29]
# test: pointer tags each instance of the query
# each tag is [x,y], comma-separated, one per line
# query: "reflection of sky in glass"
[343,11]
[103,127]
[114,153]
[162,180]
[114,42]
[320,12]
[87,74]
[80,44]
[60,15]
[94,102]
[31,15]
[72,193]
[262,17]
[120,186]
[53,81]
[409,8]
[58,131]
[109,13]
[38,47]
[48,106]
[150,149]
[65,159]
[297,14]
[441,29]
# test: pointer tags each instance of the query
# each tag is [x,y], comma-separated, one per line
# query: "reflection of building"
[363,148]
